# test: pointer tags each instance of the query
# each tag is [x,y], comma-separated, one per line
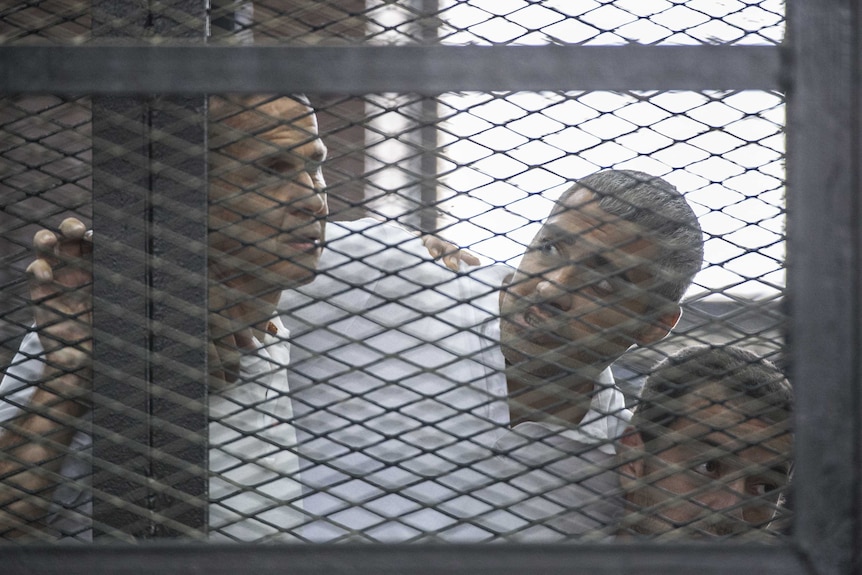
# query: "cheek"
[523,283]
[221,217]
[244,206]
[220,223]
[244,219]
[616,320]
[678,490]
[761,510]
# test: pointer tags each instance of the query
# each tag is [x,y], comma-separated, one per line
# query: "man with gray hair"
[267,217]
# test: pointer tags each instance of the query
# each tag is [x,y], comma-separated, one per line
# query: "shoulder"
[21,376]
[540,443]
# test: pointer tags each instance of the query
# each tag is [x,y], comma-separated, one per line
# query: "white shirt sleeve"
[73,504]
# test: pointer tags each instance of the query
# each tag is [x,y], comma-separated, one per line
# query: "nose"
[727,502]
[552,290]
[728,495]
[307,196]
[555,287]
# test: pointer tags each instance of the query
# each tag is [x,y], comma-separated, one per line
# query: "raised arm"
[34,442]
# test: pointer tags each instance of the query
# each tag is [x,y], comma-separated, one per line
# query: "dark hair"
[665,216]
[742,376]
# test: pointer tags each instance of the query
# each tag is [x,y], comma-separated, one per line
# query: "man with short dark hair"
[606,271]
[708,454]
[709,450]
[404,373]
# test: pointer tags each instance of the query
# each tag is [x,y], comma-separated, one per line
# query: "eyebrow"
[706,440]
[780,468]
[615,271]
[557,233]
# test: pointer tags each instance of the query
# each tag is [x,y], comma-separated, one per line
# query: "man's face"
[580,294]
[267,200]
[721,476]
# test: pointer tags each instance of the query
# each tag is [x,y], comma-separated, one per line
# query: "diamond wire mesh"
[388,431]
[451,21]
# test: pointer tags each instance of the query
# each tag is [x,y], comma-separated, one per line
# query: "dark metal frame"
[819,69]
[111,69]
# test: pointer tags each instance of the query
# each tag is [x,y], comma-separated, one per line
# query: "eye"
[761,486]
[547,247]
[711,468]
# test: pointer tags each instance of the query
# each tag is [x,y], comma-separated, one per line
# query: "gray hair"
[225,109]
[667,219]
[751,384]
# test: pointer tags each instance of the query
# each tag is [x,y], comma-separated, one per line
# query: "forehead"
[713,421]
[580,221]
[581,212]
[259,127]
[581,208]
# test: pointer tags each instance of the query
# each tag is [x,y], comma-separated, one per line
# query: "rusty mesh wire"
[395,423]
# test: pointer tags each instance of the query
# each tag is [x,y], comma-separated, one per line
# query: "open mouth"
[307,239]
[533,317]
[305,244]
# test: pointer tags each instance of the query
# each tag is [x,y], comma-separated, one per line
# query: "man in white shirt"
[404,373]
[267,216]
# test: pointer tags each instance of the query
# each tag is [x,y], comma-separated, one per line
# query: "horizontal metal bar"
[299,559]
[366,69]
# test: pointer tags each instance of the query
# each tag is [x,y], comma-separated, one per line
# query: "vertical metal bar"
[149,415]
[428,134]
[179,282]
[824,284]
[120,319]
[428,165]
[179,316]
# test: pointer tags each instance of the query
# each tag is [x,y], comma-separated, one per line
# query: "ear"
[631,453]
[659,327]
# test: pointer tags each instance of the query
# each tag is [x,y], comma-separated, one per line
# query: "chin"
[295,274]
[305,280]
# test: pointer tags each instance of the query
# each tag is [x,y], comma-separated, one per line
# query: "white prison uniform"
[254,465]
[398,386]
[254,493]
[543,483]
[542,486]
[70,515]
[605,422]
[555,483]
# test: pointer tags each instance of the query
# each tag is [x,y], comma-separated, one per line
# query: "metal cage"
[817,69]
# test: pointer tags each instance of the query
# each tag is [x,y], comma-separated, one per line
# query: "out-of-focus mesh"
[456,22]
[390,429]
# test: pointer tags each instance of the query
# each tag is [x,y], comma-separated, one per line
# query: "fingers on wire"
[75,239]
[69,245]
[453,260]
